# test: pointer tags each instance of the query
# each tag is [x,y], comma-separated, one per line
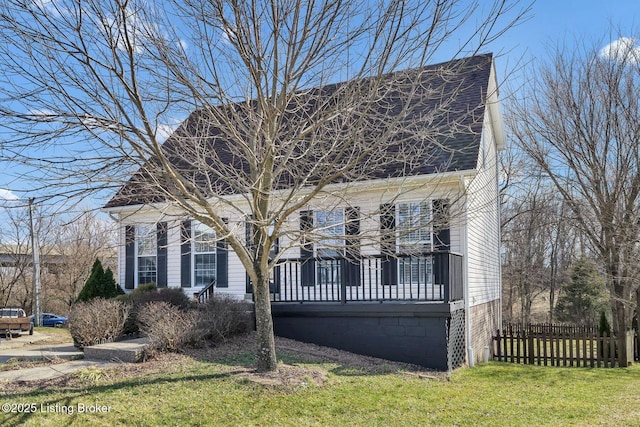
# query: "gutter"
[415,181]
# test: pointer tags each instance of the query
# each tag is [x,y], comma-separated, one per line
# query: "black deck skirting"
[406,332]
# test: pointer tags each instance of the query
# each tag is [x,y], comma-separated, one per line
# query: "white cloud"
[43,3]
[164,130]
[52,7]
[625,49]
[7,195]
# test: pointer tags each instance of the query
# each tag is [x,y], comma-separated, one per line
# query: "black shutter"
[130,256]
[222,269]
[351,265]
[388,244]
[161,249]
[185,254]
[308,265]
[441,231]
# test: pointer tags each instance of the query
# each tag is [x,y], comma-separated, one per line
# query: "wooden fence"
[557,345]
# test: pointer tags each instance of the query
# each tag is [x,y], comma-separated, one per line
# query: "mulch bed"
[288,376]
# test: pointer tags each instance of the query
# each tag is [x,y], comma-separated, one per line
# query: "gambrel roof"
[449,98]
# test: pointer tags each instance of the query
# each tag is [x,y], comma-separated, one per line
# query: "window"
[414,238]
[415,270]
[330,225]
[146,254]
[204,254]
[414,227]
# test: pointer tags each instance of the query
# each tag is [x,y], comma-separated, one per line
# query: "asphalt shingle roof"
[456,91]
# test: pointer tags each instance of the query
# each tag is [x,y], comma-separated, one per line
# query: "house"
[426,291]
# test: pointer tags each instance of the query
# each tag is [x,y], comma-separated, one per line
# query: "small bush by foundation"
[168,327]
[97,321]
[149,293]
[171,328]
[223,317]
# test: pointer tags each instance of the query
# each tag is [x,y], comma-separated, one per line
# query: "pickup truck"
[14,321]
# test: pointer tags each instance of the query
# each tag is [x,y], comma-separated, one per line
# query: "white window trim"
[399,243]
[397,228]
[137,234]
[328,260]
[194,231]
[317,244]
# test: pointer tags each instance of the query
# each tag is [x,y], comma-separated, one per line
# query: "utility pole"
[35,252]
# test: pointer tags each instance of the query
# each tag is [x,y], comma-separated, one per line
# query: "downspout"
[465,275]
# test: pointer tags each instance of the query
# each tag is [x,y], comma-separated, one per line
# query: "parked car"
[14,321]
[12,312]
[50,319]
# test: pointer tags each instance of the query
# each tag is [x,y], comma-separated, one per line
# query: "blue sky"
[550,22]
[557,22]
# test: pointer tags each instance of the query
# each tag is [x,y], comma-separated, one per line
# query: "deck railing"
[206,293]
[436,277]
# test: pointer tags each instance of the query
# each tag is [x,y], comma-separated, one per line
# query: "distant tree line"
[572,203]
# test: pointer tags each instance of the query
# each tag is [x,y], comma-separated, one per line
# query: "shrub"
[100,284]
[171,328]
[97,321]
[604,326]
[147,287]
[168,327]
[583,297]
[149,293]
[173,296]
[222,317]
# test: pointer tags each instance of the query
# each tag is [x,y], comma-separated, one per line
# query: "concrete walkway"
[31,347]
[51,371]
[40,351]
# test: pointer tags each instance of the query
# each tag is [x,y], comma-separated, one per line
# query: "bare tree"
[15,248]
[579,123]
[539,245]
[72,247]
[540,241]
[16,265]
[267,128]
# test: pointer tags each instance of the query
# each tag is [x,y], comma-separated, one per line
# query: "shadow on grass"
[69,395]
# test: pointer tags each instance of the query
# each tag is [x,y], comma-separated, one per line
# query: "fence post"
[530,345]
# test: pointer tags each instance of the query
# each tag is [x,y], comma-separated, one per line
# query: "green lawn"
[210,393]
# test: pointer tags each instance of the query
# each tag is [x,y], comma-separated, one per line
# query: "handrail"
[206,293]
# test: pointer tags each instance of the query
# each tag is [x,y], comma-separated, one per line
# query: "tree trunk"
[510,302]
[266,355]
[552,301]
[638,309]
[621,332]
[636,350]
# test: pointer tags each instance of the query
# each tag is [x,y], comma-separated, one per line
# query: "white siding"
[237,276]
[483,228]
[368,201]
